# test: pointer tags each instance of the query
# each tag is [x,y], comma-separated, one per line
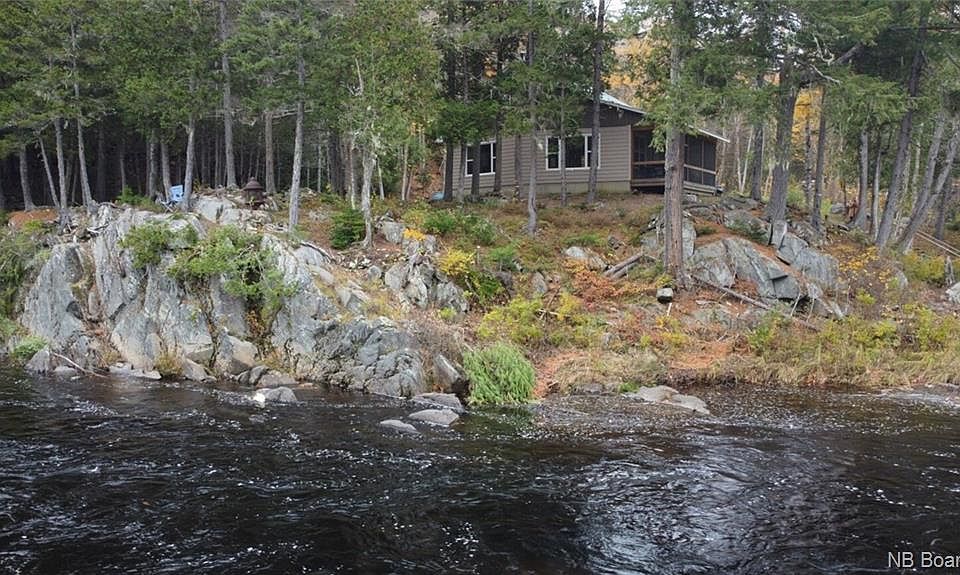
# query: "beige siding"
[613,176]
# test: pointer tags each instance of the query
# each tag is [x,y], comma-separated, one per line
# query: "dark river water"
[130,477]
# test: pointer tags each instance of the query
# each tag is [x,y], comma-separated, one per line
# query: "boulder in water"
[441,417]
[399,426]
[275,395]
[441,400]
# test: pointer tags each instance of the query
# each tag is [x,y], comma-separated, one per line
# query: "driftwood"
[621,269]
[759,304]
[77,366]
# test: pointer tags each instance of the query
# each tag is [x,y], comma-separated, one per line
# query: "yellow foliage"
[456,264]
[414,234]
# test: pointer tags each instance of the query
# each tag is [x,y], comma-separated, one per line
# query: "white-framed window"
[575,153]
[486,160]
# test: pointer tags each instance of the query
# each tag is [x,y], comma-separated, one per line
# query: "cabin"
[627,159]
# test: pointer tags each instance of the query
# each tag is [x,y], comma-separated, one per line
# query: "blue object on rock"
[176,194]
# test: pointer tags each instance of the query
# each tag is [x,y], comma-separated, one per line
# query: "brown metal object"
[254,194]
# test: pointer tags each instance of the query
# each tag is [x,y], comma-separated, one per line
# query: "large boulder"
[953,293]
[750,264]
[818,267]
[54,307]
[789,247]
[440,417]
[709,264]
[744,221]
[586,256]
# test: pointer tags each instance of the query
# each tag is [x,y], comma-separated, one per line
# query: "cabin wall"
[613,174]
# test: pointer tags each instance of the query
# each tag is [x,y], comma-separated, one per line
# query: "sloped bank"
[95,308]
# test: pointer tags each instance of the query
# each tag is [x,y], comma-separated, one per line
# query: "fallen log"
[758,303]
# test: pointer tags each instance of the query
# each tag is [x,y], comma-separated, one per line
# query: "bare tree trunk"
[46,168]
[270,182]
[875,203]
[807,181]
[497,160]
[927,198]
[448,171]
[815,217]
[380,181]
[294,215]
[188,173]
[121,162]
[450,65]
[924,191]
[777,208]
[532,102]
[101,185]
[84,179]
[860,220]
[463,172]
[885,229]
[227,101]
[561,152]
[673,183]
[597,93]
[152,165]
[518,164]
[28,204]
[405,176]
[475,177]
[756,162]
[62,175]
[945,200]
[165,169]
[368,161]
[351,171]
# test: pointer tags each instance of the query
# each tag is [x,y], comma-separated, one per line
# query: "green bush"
[248,271]
[17,254]
[927,269]
[27,348]
[505,258]
[499,375]
[588,239]
[479,230]
[518,321]
[4,217]
[753,232]
[348,228]
[131,198]
[147,243]
[440,222]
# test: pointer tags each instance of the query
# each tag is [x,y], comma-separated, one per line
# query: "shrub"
[456,264]
[442,222]
[147,243]
[752,231]
[17,255]
[505,258]
[499,375]
[519,321]
[129,197]
[927,269]
[479,229]
[348,227]
[27,348]
[588,239]
[248,271]
[414,234]
[4,217]
[439,222]
[459,266]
